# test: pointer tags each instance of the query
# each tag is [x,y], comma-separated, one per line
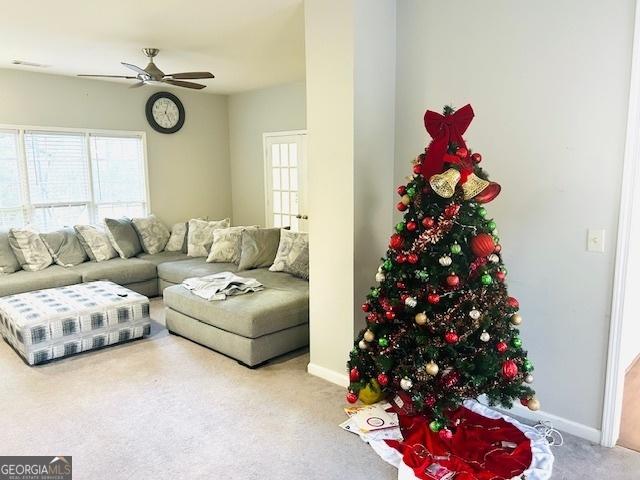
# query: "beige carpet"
[166,408]
[630,426]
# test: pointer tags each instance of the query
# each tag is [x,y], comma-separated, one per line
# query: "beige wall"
[189,171]
[251,114]
[549,81]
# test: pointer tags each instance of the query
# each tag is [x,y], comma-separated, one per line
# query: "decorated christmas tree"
[441,327]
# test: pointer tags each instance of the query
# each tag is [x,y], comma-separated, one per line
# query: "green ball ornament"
[455,249]
[387,265]
[482,212]
[383,342]
[527,366]
[486,279]
[411,191]
[491,225]
[517,342]
[436,425]
[399,227]
[422,275]
[375,293]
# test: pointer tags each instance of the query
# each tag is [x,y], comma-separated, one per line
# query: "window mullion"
[93,208]
[25,193]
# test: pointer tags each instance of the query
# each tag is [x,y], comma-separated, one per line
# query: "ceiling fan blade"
[136,85]
[191,75]
[135,69]
[178,83]
[106,76]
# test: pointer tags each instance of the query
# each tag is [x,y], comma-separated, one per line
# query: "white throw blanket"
[219,285]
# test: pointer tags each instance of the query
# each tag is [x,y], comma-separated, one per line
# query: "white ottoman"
[58,322]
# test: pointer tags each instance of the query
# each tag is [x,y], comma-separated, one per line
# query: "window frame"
[28,207]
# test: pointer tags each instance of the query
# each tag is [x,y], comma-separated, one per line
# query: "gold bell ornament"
[444,184]
[483,191]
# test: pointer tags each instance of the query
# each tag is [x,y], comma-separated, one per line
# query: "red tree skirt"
[486,445]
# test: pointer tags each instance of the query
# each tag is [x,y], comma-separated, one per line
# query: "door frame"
[614,382]
[267,173]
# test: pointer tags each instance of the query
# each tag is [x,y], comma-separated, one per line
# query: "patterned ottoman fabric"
[57,322]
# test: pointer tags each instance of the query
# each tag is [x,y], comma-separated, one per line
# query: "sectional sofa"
[251,328]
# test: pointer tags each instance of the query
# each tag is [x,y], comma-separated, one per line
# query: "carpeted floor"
[166,408]
[630,426]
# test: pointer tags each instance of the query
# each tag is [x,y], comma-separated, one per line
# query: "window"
[52,178]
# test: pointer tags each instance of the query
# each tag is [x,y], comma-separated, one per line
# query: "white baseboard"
[329,375]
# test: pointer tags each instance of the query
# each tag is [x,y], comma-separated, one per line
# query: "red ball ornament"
[354,375]
[383,379]
[482,245]
[417,168]
[524,401]
[401,206]
[352,397]
[400,285]
[453,280]
[366,307]
[498,248]
[390,315]
[513,302]
[396,241]
[509,369]
[462,152]
[501,347]
[500,276]
[433,298]
[476,157]
[372,317]
[429,400]
[445,434]
[400,258]
[451,210]
[411,226]
[402,189]
[451,337]
[413,258]
[428,222]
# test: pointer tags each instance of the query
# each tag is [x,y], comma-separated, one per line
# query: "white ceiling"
[247,44]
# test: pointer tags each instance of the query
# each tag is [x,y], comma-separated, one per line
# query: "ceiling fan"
[152,74]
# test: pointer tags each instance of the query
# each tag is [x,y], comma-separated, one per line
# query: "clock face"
[165,112]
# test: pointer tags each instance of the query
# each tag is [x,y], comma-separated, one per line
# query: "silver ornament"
[474,314]
[380,277]
[362,345]
[528,378]
[485,337]
[406,383]
[445,260]
[411,302]
[493,258]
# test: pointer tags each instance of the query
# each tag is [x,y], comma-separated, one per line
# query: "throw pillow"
[8,261]
[259,247]
[178,238]
[152,232]
[95,242]
[292,251]
[227,244]
[64,247]
[123,237]
[29,249]
[200,235]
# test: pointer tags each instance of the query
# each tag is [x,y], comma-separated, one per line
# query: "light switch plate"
[595,240]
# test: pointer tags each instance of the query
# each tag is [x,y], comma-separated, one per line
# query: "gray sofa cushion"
[284,303]
[117,270]
[178,239]
[259,248]
[29,249]
[152,232]
[8,261]
[176,272]
[23,281]
[64,247]
[163,257]
[123,237]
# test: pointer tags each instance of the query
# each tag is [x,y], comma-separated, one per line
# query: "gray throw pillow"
[200,235]
[227,244]
[178,239]
[29,249]
[64,247]
[8,261]
[95,242]
[152,233]
[259,248]
[123,237]
[293,254]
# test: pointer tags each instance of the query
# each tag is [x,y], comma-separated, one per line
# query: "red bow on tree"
[444,129]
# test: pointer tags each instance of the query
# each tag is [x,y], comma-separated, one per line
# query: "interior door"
[285,180]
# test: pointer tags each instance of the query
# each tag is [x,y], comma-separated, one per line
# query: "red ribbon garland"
[444,129]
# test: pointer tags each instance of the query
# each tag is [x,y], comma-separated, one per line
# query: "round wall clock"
[165,112]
